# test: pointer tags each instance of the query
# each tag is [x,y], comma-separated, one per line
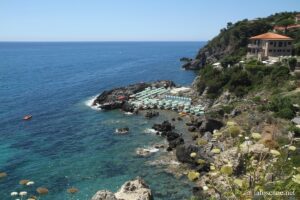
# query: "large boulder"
[104,195]
[210,125]
[131,190]
[183,153]
[164,127]
[134,190]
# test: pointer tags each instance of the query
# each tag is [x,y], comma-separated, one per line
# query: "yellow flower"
[256,136]
[275,152]
[193,175]
[292,148]
[216,151]
[231,123]
[227,169]
[296,178]
[193,155]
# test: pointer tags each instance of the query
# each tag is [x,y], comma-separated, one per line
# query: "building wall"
[278,48]
[297,19]
[264,48]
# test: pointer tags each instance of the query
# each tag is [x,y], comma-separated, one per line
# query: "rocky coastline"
[207,145]
[196,128]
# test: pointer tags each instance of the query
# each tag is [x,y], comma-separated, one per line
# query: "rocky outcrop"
[151,114]
[204,124]
[166,130]
[104,195]
[131,190]
[210,125]
[117,98]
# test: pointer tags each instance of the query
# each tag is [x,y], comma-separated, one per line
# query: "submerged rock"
[131,190]
[104,195]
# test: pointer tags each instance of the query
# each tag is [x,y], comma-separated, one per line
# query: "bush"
[292,63]
[285,113]
[279,75]
[282,106]
[296,130]
[234,131]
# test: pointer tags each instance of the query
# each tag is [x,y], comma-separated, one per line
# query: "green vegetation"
[240,80]
[231,43]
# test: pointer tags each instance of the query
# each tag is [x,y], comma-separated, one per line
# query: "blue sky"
[127,20]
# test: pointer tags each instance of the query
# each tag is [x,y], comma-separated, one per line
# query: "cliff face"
[231,43]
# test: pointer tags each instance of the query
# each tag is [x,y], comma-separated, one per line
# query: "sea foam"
[90,101]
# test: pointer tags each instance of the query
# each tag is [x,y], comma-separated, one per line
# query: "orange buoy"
[27,117]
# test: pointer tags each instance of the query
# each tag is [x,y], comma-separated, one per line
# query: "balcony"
[253,46]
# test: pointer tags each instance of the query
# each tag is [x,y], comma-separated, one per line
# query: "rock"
[117,98]
[185,59]
[104,195]
[210,125]
[207,136]
[134,190]
[174,143]
[131,190]
[127,107]
[296,120]
[164,127]
[151,114]
[183,153]
[122,131]
[144,152]
[235,112]
[192,128]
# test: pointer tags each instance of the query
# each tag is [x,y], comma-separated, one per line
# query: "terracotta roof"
[270,36]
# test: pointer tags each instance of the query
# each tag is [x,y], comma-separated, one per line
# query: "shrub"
[279,74]
[282,106]
[296,130]
[285,113]
[292,63]
[234,131]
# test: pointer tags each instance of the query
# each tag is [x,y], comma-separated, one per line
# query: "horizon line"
[104,41]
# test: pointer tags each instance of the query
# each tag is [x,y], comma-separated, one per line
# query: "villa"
[269,45]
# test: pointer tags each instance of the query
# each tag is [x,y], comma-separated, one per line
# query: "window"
[279,50]
[271,43]
[280,44]
[283,50]
[288,50]
[289,43]
[270,50]
[275,44]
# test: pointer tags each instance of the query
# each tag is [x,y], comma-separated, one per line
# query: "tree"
[292,63]
[229,25]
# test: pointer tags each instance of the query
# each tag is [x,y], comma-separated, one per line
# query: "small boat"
[27,117]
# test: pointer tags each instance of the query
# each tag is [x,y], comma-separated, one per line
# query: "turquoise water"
[67,143]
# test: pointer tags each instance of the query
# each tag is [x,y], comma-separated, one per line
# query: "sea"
[67,143]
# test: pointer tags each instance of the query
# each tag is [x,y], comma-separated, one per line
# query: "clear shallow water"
[67,143]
